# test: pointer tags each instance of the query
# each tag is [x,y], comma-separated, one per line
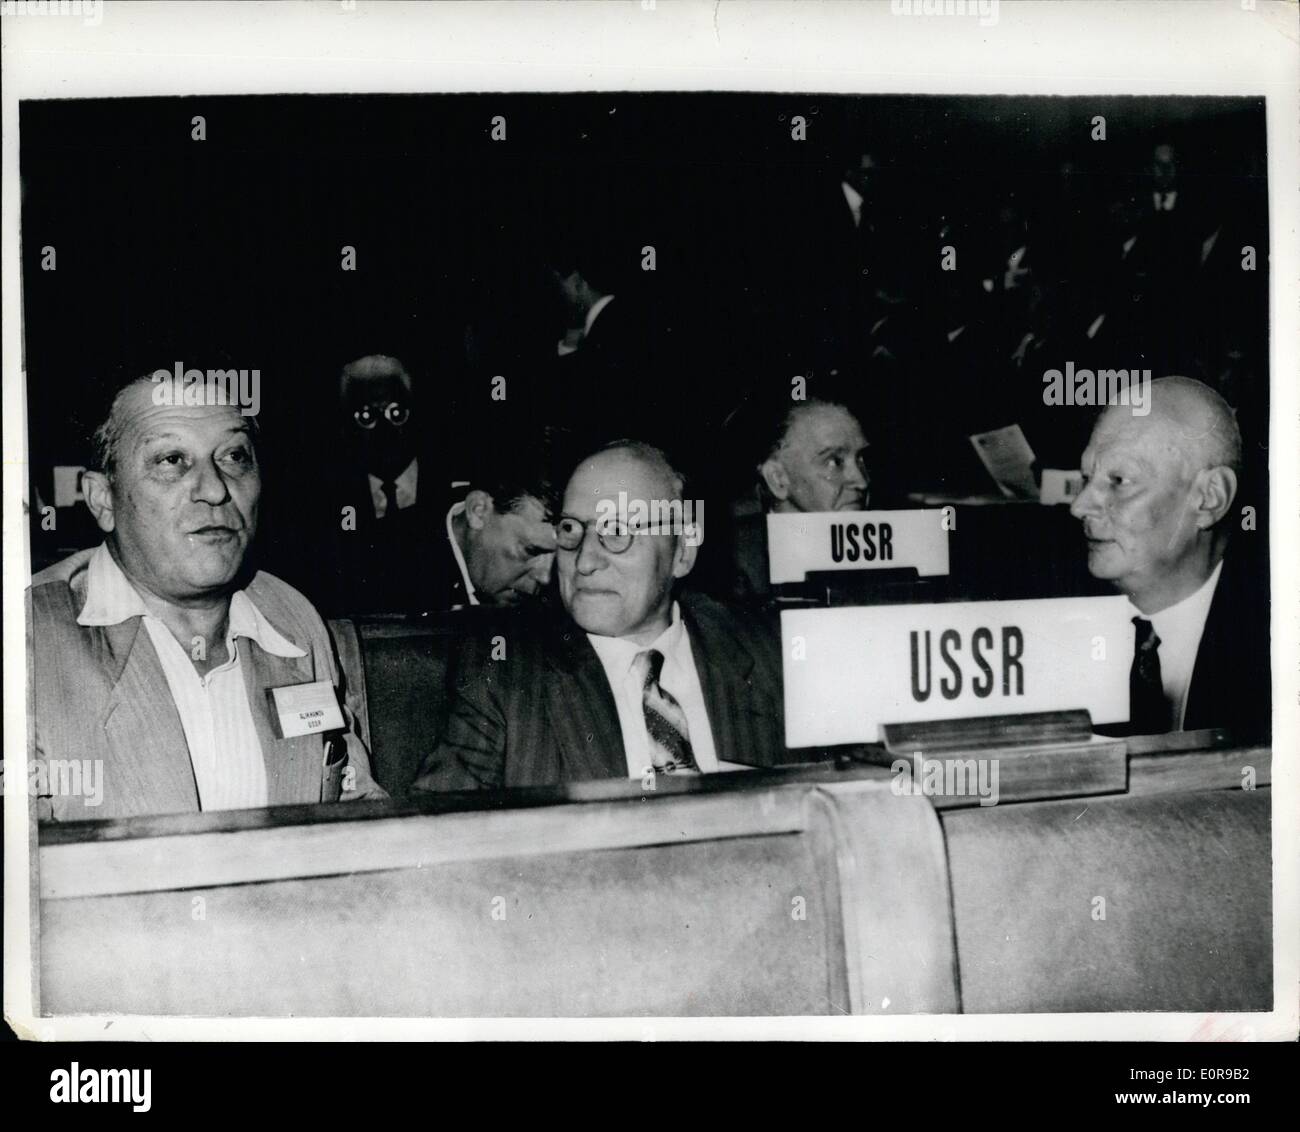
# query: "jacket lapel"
[739,716]
[293,766]
[580,708]
[151,759]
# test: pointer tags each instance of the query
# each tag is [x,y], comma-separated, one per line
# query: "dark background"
[227,252]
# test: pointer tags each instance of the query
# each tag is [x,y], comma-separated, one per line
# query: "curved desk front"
[811,891]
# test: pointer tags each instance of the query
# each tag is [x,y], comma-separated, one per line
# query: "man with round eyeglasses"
[634,677]
[376,394]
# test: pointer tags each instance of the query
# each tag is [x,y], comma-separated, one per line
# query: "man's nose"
[591,555]
[855,476]
[1085,503]
[209,484]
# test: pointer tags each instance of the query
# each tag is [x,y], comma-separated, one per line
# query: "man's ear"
[478,509]
[1216,489]
[684,556]
[98,491]
[776,478]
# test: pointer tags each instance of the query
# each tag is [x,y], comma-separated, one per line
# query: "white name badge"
[855,540]
[304,709]
[849,670]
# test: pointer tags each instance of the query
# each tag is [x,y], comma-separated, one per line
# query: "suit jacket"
[545,714]
[100,693]
[1231,681]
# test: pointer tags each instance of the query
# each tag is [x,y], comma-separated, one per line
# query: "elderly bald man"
[1157,513]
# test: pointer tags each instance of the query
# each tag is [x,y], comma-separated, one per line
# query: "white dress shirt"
[1179,628]
[562,348]
[224,749]
[471,595]
[405,484]
[679,677]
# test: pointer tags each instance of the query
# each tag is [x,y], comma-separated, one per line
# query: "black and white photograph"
[808,543]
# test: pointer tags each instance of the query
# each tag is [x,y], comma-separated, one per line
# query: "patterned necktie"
[665,722]
[390,498]
[1148,709]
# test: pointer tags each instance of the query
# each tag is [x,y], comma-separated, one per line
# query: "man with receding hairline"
[1157,511]
[155,654]
[633,678]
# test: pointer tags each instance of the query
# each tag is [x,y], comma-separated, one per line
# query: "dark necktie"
[665,722]
[390,498]
[1147,707]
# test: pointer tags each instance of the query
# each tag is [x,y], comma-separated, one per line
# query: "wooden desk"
[813,890]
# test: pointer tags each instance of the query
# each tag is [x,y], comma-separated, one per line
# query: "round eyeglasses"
[612,535]
[394,412]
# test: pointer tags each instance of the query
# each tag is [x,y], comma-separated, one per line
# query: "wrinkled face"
[1137,503]
[627,594]
[824,458]
[184,496]
[514,554]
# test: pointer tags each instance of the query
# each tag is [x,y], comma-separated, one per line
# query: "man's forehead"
[603,477]
[376,385]
[143,419]
[1119,434]
[826,426]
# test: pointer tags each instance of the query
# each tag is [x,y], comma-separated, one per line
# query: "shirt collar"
[854,199]
[596,307]
[112,599]
[1192,610]
[405,486]
[618,653]
[471,594]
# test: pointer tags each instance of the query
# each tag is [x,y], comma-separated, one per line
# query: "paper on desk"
[1006,454]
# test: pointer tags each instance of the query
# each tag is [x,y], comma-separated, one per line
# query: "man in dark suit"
[1157,509]
[628,681]
[372,540]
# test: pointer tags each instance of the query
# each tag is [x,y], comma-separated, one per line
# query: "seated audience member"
[816,462]
[386,498]
[629,679]
[154,653]
[1157,512]
[814,459]
[501,535]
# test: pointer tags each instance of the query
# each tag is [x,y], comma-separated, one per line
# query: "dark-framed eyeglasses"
[613,536]
[394,412]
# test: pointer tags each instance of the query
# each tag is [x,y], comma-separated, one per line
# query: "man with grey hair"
[1157,511]
[633,679]
[157,656]
[811,456]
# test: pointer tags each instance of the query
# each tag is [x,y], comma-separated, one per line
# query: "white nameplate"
[848,670]
[798,543]
[305,709]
